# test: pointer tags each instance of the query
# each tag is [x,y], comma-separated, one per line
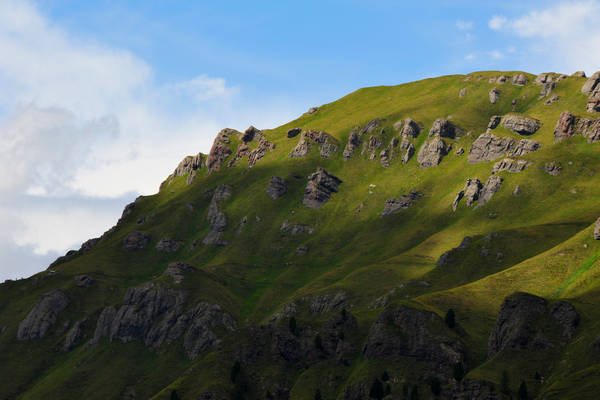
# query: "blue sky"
[101,99]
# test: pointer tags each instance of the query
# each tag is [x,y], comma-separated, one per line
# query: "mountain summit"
[434,239]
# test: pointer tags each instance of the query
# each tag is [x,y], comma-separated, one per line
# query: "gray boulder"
[219,151]
[553,99]
[177,270]
[590,85]
[327,144]
[411,129]
[519,79]
[565,127]
[277,187]
[135,241]
[319,188]
[597,229]
[492,185]
[392,206]
[370,126]
[354,141]
[42,316]
[488,147]
[509,165]
[553,168]
[167,245]
[494,122]
[547,88]
[74,336]
[494,95]
[432,152]
[293,132]
[296,229]
[462,92]
[520,125]
[84,281]
[579,74]
[189,165]
[443,128]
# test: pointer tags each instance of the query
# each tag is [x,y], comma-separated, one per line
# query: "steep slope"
[320,254]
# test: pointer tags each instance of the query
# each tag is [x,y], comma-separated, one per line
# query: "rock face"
[592,89]
[277,187]
[488,147]
[372,146]
[177,270]
[321,184]
[84,281]
[408,332]
[521,125]
[74,336]
[597,230]
[354,141]
[42,316]
[156,315]
[591,84]
[492,185]
[519,79]
[494,122]
[219,151]
[216,218]
[254,155]
[462,92]
[510,165]
[411,129]
[553,168]
[443,128]
[327,144]
[551,100]
[432,152]
[579,74]
[474,191]
[520,323]
[135,241]
[392,206]
[167,245]
[565,127]
[494,95]
[189,165]
[295,229]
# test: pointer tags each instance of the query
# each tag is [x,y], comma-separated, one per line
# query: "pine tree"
[318,395]
[458,371]
[385,376]
[504,383]
[523,391]
[376,390]
[235,371]
[450,318]
[414,393]
[436,386]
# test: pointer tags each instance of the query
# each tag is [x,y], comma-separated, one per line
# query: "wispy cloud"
[464,25]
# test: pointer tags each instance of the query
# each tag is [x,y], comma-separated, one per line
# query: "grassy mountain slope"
[544,236]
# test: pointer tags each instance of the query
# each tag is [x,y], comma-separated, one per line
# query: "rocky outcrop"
[519,79]
[411,129]
[74,336]
[244,150]
[553,168]
[588,128]
[520,125]
[509,165]
[462,92]
[370,126]
[156,314]
[177,270]
[592,89]
[188,166]
[84,281]
[579,74]
[277,187]
[432,152]
[219,151]
[488,147]
[418,334]
[321,185]
[591,84]
[135,241]
[217,218]
[325,303]
[474,191]
[565,127]
[471,389]
[372,147]
[384,157]
[167,245]
[492,185]
[296,229]
[392,206]
[494,122]
[293,132]
[408,153]
[494,95]
[444,128]
[354,141]
[523,147]
[520,323]
[553,99]
[327,144]
[42,316]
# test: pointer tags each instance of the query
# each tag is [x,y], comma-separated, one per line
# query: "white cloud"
[495,54]
[82,120]
[497,22]
[464,25]
[470,57]
[563,37]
